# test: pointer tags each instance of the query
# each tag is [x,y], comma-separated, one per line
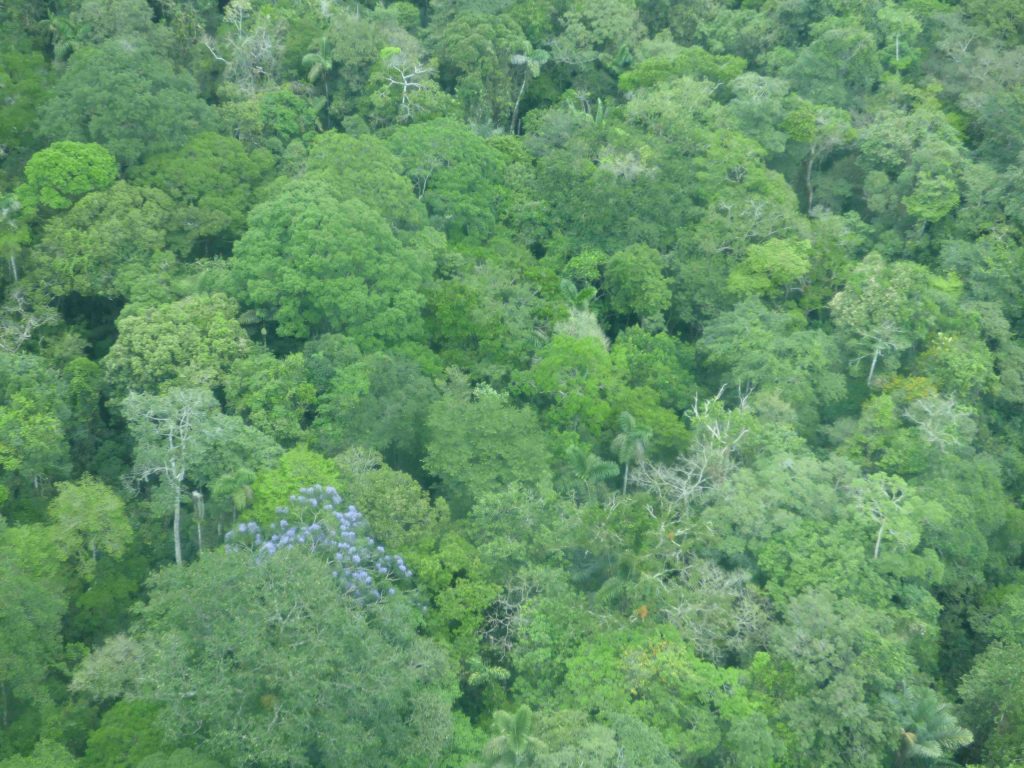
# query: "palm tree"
[929,732]
[512,746]
[235,487]
[531,63]
[630,444]
[63,35]
[586,472]
[320,63]
[578,298]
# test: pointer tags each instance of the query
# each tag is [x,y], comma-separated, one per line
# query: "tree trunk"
[200,507]
[807,181]
[177,525]
[878,539]
[515,109]
[327,105]
[625,478]
[874,362]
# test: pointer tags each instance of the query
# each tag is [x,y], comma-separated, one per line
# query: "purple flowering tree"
[318,521]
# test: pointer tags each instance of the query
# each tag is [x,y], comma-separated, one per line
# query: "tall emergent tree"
[264,660]
[184,441]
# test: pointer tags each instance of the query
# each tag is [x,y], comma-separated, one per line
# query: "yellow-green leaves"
[771,268]
[58,175]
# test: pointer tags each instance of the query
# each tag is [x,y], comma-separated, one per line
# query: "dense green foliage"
[668,352]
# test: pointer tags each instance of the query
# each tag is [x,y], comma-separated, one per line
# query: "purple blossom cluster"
[319,522]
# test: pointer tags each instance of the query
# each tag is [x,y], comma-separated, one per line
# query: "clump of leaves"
[319,522]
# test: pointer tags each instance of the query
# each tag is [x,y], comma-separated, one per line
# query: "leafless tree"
[409,75]
[505,619]
[19,320]
[250,50]
[714,609]
[706,464]
[941,421]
